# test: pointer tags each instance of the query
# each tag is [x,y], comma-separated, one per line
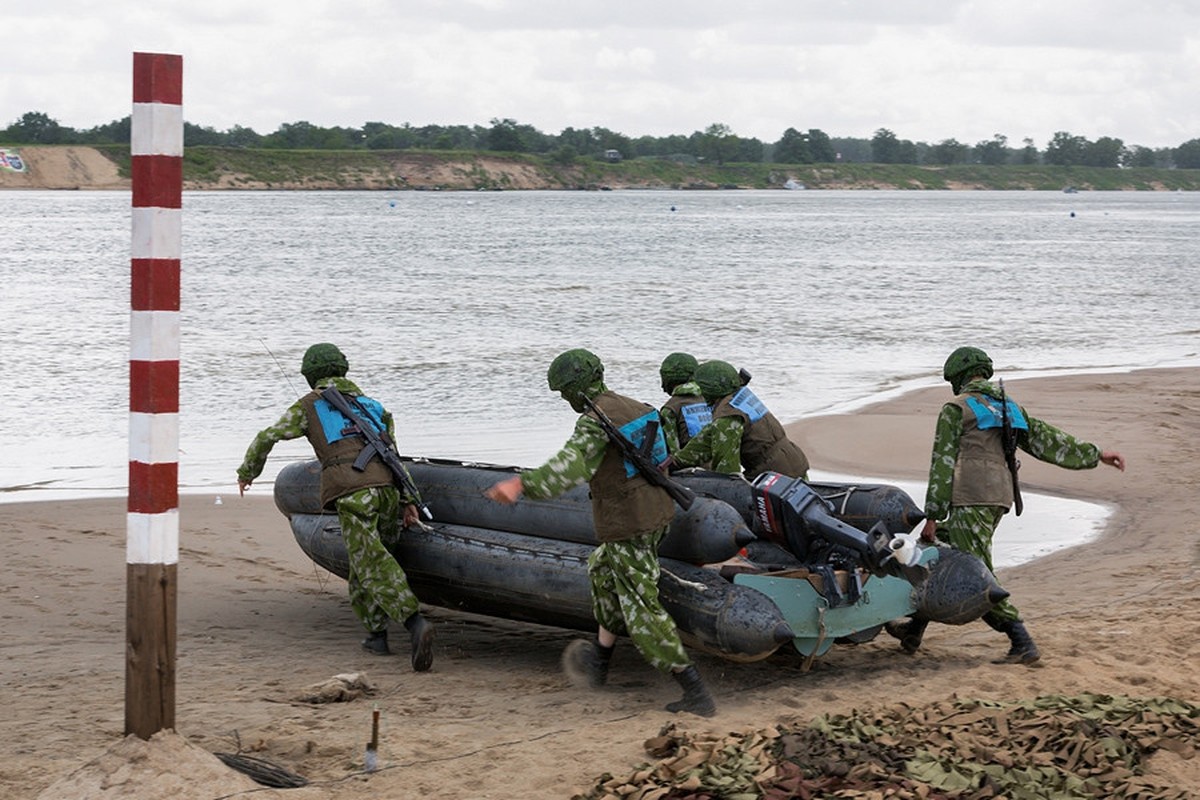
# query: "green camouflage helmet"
[573,371]
[965,363]
[717,379]
[323,360]
[677,368]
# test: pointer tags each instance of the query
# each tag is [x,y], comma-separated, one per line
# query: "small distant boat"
[792,183]
[1070,190]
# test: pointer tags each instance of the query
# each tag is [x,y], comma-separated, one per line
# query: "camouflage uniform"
[718,445]
[971,527]
[673,426]
[369,518]
[623,574]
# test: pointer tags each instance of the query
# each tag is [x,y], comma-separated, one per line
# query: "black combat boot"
[420,633]
[587,663]
[696,699]
[1023,650]
[376,643]
[908,632]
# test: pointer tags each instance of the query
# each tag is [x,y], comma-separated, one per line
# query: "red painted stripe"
[157,78]
[153,488]
[157,181]
[154,387]
[155,284]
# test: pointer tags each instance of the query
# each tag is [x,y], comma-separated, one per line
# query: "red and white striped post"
[152,526]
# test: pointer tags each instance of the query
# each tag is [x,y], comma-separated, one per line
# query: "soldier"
[631,517]
[367,502]
[743,435]
[686,412]
[971,484]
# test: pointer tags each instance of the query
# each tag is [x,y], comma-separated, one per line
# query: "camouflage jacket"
[1042,441]
[294,424]
[574,464]
[718,444]
[671,417]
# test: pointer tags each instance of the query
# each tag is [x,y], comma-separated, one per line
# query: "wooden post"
[152,521]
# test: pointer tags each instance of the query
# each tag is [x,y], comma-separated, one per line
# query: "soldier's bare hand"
[506,491]
[1113,459]
[411,515]
[243,486]
[929,531]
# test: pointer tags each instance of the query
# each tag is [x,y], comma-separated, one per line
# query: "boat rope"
[844,496]
[699,587]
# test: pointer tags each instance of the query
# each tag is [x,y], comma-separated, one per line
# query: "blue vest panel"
[695,416]
[635,431]
[335,425]
[988,413]
[748,403]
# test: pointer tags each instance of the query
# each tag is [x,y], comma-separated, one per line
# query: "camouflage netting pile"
[1050,748]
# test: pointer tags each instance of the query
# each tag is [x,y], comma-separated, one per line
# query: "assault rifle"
[1008,438]
[378,442]
[640,456]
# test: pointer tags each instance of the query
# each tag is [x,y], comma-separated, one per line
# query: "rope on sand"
[262,771]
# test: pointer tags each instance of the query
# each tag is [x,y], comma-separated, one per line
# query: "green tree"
[582,140]
[300,135]
[238,136]
[1065,150]
[885,147]
[718,143]
[1029,153]
[504,136]
[792,148]
[993,152]
[1187,155]
[381,136]
[453,137]
[821,147]
[116,132]
[35,127]
[1138,156]
[1104,152]
[947,152]
[749,150]
[611,140]
[196,136]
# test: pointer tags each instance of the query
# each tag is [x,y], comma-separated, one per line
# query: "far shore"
[243,169]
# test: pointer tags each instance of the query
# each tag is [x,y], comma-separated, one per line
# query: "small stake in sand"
[371,757]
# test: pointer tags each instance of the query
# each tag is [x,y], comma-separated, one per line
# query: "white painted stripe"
[154,336]
[157,232]
[156,129]
[152,538]
[153,438]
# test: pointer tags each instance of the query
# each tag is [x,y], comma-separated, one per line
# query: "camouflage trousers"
[970,529]
[624,583]
[378,586]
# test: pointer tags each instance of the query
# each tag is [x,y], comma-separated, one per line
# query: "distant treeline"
[715,144]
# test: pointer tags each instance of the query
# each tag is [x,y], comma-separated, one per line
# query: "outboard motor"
[803,522]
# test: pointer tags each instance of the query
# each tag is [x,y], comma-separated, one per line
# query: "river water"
[451,305]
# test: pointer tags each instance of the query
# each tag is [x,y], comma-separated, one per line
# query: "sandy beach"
[259,625]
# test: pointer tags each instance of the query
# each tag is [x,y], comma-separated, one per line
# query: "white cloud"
[927,70]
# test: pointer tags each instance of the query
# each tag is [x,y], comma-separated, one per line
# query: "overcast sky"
[927,70]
